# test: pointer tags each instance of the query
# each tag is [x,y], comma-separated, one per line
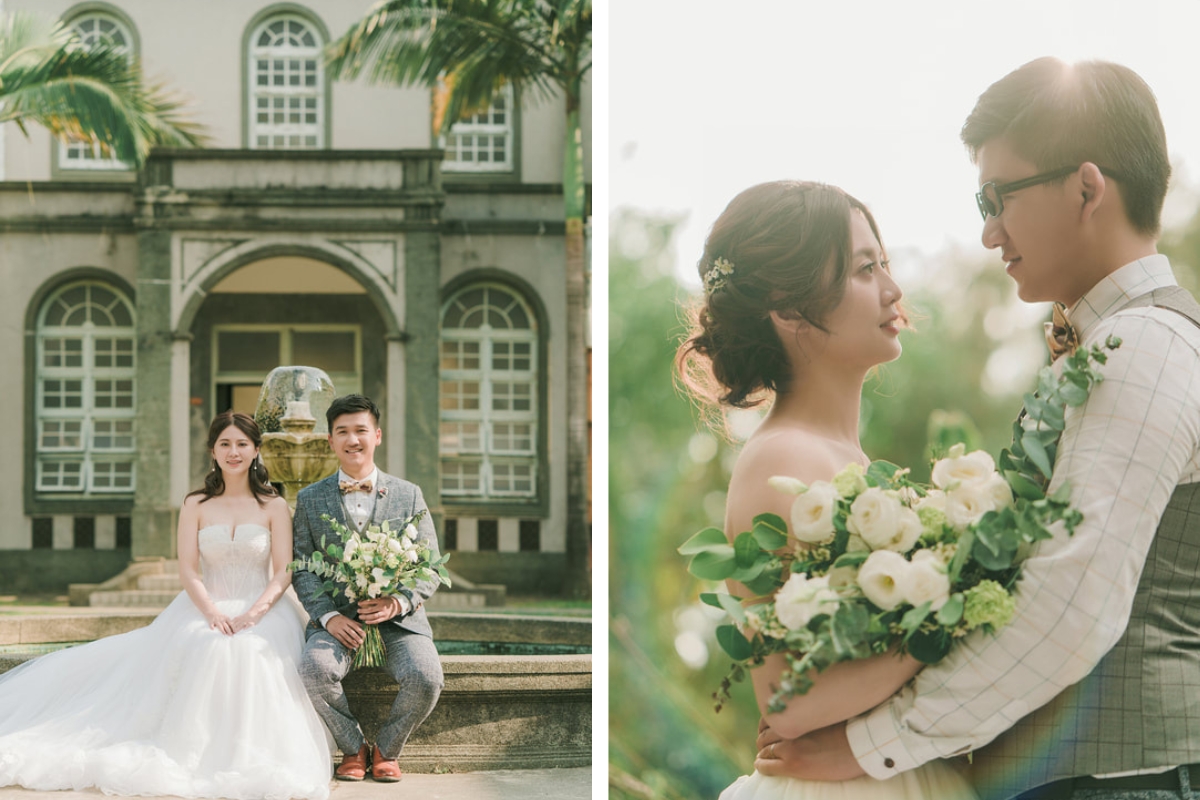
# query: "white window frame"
[88,156]
[481,124]
[347,381]
[491,460]
[275,55]
[89,458]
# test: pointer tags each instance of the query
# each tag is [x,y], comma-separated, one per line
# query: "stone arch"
[195,287]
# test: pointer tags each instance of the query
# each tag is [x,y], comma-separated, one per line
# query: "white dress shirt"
[1124,452]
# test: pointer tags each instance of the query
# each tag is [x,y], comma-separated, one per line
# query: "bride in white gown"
[799,307]
[206,701]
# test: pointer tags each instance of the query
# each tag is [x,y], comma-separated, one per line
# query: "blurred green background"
[975,352]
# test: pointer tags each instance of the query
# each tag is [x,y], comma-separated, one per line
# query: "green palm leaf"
[46,77]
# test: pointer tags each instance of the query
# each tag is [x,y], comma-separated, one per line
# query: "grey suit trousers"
[412,661]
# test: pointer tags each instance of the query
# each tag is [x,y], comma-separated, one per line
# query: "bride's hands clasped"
[219,622]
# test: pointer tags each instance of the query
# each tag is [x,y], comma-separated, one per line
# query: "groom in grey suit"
[357,496]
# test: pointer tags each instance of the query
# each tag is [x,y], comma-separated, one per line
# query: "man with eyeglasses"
[1093,690]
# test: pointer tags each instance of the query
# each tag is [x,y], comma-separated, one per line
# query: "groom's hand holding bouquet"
[370,568]
[877,562]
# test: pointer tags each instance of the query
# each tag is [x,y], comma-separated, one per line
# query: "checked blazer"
[397,501]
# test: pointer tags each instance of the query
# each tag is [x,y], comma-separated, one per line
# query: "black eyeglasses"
[990,197]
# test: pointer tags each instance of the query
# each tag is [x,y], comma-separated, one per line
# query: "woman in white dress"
[206,701]
[799,307]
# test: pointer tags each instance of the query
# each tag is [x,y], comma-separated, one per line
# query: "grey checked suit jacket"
[400,501]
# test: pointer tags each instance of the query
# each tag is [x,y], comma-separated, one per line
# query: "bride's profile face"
[233,451]
[864,328]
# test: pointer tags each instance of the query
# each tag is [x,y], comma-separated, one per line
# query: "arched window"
[489,395]
[85,391]
[95,28]
[287,85]
[483,142]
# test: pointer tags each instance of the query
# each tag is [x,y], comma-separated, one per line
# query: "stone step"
[455,600]
[160,583]
[133,598]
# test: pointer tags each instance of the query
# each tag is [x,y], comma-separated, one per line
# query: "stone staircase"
[151,583]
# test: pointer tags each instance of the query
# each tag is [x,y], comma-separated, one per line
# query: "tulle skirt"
[934,781]
[174,708]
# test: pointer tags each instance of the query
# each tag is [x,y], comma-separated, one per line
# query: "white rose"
[410,531]
[351,549]
[361,581]
[934,498]
[373,590]
[882,578]
[882,522]
[958,468]
[412,555]
[812,513]
[803,598]
[968,502]
[1000,491]
[394,545]
[926,580]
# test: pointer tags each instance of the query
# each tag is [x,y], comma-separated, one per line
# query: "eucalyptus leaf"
[713,565]
[929,647]
[746,550]
[1073,394]
[734,643]
[1036,451]
[913,618]
[881,472]
[702,541]
[764,584]
[1023,487]
[770,531]
[1063,493]
[952,610]
[850,559]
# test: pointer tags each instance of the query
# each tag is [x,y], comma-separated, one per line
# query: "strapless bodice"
[235,561]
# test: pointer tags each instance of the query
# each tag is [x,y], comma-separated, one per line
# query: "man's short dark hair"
[1054,114]
[350,404]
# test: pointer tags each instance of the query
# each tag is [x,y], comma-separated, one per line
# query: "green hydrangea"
[932,520]
[988,603]
[850,481]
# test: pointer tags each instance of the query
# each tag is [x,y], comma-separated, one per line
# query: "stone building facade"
[324,224]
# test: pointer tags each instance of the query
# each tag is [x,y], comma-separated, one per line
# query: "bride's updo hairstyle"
[214,481]
[783,246]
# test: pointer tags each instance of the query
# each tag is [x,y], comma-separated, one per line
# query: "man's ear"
[1093,187]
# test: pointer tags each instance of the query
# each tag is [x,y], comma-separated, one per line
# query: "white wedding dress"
[936,780]
[176,708]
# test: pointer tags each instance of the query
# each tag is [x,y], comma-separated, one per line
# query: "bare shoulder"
[790,452]
[192,501]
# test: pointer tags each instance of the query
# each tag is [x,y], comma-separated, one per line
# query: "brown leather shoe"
[382,769]
[353,767]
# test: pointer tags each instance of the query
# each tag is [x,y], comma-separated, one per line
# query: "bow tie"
[355,486]
[1061,336]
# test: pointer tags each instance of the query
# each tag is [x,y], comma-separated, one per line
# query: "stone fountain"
[295,448]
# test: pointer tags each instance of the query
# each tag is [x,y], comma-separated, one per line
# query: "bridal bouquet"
[876,561]
[374,563]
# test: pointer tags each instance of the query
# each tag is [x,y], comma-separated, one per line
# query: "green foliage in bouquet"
[375,563]
[876,562]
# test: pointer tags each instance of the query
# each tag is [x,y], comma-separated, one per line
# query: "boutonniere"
[383,491]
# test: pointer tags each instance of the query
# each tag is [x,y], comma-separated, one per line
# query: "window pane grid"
[93,30]
[488,353]
[85,392]
[286,87]
[482,142]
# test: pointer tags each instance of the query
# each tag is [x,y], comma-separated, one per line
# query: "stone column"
[422,304]
[396,411]
[153,518]
[181,407]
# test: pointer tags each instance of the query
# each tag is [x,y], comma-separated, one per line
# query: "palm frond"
[81,94]
[475,46]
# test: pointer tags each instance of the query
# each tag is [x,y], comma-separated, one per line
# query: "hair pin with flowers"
[718,276]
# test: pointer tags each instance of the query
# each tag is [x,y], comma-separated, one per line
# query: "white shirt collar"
[1118,288]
